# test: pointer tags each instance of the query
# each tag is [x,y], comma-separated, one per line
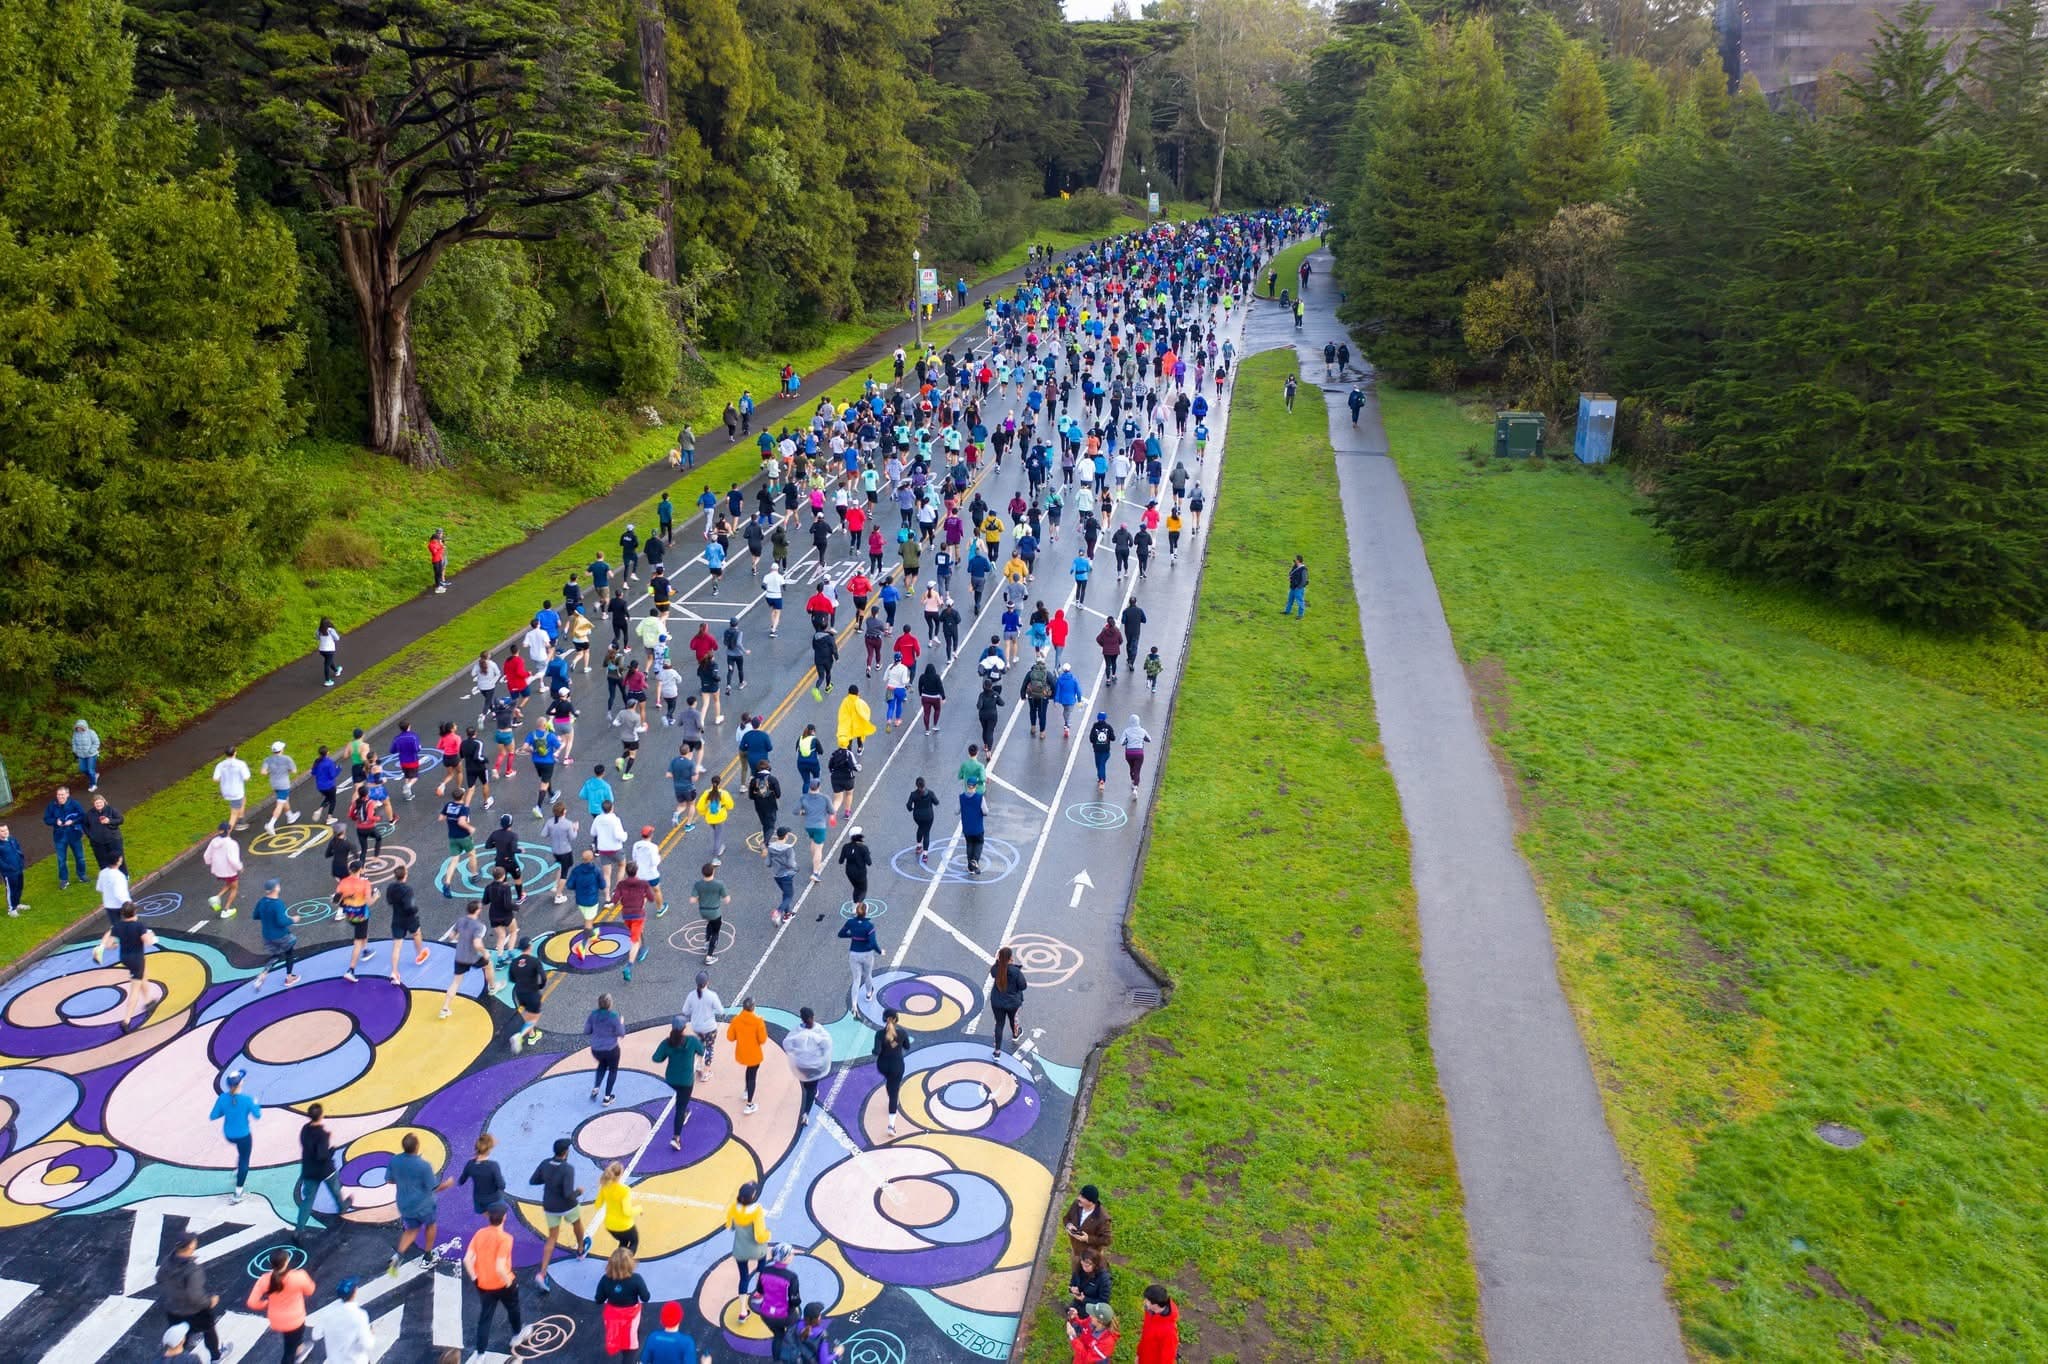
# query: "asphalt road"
[921,1242]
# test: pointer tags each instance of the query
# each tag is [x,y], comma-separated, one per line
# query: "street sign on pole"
[1152,203]
[927,287]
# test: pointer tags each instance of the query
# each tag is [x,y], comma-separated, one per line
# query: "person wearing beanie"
[669,1345]
[1086,1225]
[347,1328]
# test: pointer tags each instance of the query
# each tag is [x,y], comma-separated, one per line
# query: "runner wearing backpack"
[776,1297]
[1037,692]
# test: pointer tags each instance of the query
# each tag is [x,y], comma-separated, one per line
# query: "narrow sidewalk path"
[1567,1272]
[277,695]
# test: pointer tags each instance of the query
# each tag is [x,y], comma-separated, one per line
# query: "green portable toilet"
[1517,435]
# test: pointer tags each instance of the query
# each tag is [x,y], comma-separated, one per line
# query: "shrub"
[331,545]
[545,437]
[1088,211]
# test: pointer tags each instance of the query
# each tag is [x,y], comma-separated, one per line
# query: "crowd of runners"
[1067,447]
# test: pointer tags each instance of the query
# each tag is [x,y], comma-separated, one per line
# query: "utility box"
[1594,440]
[1517,435]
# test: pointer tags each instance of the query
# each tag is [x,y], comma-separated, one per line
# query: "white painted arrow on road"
[1081,883]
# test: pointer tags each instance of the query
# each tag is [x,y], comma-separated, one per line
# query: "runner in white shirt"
[113,887]
[701,1008]
[231,775]
[608,836]
[646,857]
[537,645]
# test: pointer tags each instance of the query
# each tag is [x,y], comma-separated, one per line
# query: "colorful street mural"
[936,1225]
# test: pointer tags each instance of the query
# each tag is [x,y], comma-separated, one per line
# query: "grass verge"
[1792,861]
[1288,262]
[1273,1139]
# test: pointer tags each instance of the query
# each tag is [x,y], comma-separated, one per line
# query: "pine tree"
[1872,416]
[1566,161]
[2008,67]
[1427,211]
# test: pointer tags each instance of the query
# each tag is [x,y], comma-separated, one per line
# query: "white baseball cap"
[277,747]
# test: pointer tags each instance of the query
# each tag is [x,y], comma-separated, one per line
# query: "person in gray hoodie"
[809,1049]
[85,746]
[782,866]
[182,1281]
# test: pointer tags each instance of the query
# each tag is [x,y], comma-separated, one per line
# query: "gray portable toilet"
[1594,441]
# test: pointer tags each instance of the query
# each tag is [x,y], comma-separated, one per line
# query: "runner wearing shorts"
[467,933]
[528,974]
[131,943]
[542,746]
[405,921]
[352,899]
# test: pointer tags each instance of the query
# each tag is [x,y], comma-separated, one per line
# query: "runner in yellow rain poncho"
[856,721]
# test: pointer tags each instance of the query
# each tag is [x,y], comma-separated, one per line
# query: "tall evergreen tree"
[1427,210]
[144,353]
[1566,161]
[2008,70]
[1874,417]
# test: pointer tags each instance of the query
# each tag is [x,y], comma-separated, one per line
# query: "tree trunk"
[1112,178]
[660,261]
[399,424]
[1216,189]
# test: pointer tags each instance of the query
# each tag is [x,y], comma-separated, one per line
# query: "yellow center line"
[782,708]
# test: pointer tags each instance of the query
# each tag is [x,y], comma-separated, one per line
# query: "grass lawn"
[1793,862]
[1272,1143]
[1288,262]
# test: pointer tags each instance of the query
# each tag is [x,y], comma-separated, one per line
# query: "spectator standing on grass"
[437,555]
[65,818]
[85,747]
[1159,1333]
[1297,589]
[1093,1334]
[13,863]
[1088,1283]
[103,830]
[1289,389]
[1086,1225]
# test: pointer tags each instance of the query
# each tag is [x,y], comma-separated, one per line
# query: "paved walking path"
[1561,1242]
[272,698]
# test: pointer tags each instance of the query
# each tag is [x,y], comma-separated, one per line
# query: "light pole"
[917,295]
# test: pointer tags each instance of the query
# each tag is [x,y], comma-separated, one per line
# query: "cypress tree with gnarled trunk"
[498,113]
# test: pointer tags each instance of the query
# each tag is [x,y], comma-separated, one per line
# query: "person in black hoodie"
[316,1167]
[182,1280]
[856,858]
